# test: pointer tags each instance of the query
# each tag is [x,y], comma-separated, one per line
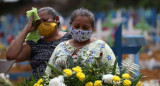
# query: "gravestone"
[131,30]
[135,40]
[120,49]
[99,33]
[20,72]
[5,65]
[118,18]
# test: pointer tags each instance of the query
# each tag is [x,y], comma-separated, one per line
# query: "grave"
[131,46]
[99,33]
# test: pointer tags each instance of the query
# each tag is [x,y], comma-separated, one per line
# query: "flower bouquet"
[92,74]
[4,80]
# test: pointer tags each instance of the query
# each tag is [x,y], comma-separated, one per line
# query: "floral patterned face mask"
[81,35]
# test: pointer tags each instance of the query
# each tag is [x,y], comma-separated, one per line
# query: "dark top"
[41,53]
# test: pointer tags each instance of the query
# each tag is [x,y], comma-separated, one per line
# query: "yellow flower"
[77,69]
[139,83]
[80,76]
[116,78]
[98,83]
[36,84]
[40,81]
[90,71]
[68,72]
[127,82]
[126,76]
[89,84]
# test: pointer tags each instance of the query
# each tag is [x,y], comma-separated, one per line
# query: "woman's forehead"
[82,19]
[43,14]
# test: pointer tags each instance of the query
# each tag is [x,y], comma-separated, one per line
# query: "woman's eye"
[44,20]
[85,28]
[76,27]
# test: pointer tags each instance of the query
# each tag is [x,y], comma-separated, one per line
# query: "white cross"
[99,33]
[118,18]
[131,30]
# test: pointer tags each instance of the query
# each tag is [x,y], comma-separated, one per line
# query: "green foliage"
[34,35]
[33,12]
[135,81]
[114,67]
[92,71]
[56,71]
[71,63]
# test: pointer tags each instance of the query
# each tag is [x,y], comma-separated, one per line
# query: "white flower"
[107,78]
[61,78]
[2,75]
[116,83]
[57,81]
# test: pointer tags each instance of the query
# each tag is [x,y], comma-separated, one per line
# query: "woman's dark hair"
[50,10]
[83,12]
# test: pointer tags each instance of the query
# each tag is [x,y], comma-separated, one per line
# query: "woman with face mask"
[38,52]
[82,45]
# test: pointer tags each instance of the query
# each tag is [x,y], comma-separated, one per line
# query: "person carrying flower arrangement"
[83,46]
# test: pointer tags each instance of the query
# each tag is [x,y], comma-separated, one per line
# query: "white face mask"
[81,35]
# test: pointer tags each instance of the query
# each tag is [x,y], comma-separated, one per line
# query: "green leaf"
[34,35]
[114,67]
[39,75]
[33,79]
[27,82]
[78,61]
[71,63]
[122,72]
[134,83]
[34,13]
[54,69]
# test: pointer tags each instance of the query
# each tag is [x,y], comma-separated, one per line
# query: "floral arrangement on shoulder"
[93,74]
[4,80]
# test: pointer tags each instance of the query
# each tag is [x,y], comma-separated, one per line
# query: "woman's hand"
[29,27]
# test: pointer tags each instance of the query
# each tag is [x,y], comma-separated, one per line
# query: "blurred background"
[140,21]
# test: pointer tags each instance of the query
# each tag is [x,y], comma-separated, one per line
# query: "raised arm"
[19,50]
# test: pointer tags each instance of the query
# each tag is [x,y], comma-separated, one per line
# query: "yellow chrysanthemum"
[139,83]
[67,72]
[127,82]
[40,81]
[36,84]
[89,84]
[116,78]
[98,83]
[126,76]
[80,76]
[77,69]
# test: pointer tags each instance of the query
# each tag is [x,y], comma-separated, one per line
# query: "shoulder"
[67,35]
[100,44]
[61,44]
[98,41]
